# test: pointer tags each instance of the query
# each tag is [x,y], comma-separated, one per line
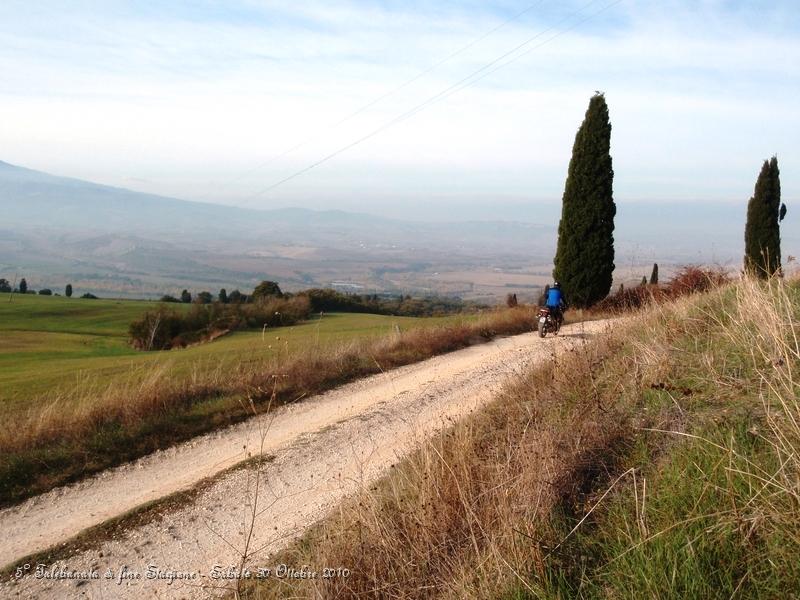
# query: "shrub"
[266,289]
[163,328]
[45,292]
[687,280]
[204,298]
[692,279]
[627,299]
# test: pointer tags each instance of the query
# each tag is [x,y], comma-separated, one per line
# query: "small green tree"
[654,275]
[265,289]
[204,298]
[4,285]
[23,286]
[223,296]
[584,260]
[186,297]
[45,292]
[68,290]
[644,281]
[236,297]
[762,236]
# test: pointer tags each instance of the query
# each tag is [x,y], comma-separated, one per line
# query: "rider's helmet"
[556,285]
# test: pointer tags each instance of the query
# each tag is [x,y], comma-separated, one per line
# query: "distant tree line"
[22,288]
[164,328]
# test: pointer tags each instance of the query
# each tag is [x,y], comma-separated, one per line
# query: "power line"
[452,89]
[388,94]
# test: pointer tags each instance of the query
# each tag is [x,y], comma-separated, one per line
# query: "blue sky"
[201,100]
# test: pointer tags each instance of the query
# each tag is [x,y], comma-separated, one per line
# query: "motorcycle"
[547,322]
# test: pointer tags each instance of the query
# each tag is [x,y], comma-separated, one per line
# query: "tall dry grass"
[514,501]
[65,437]
[763,320]
[466,514]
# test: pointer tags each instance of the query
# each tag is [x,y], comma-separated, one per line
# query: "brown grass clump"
[65,438]
[686,281]
[692,279]
[631,299]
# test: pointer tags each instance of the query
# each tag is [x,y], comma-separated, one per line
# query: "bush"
[688,280]
[204,298]
[627,299]
[692,279]
[164,328]
[89,296]
[329,300]
[45,292]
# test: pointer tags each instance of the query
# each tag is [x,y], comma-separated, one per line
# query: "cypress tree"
[762,237]
[584,260]
[654,275]
[23,286]
[68,290]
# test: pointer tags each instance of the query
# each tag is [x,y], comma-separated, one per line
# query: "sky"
[221,101]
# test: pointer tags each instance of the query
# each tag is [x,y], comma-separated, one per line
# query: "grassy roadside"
[47,445]
[660,461]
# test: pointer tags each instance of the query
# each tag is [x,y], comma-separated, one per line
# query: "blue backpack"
[554,298]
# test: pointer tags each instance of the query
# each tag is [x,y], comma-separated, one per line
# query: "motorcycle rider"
[556,303]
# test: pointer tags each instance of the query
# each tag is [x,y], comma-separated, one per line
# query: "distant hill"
[132,243]
[32,199]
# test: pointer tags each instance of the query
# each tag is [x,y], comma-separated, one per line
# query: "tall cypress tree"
[584,260]
[762,236]
[654,275]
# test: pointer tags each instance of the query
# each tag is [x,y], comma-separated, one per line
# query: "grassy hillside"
[52,345]
[660,461]
[77,399]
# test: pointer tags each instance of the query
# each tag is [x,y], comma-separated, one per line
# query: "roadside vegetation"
[660,460]
[73,431]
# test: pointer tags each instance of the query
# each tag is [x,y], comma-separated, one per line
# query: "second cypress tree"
[584,260]
[762,236]
[654,275]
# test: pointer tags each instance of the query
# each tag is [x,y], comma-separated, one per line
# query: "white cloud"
[194,100]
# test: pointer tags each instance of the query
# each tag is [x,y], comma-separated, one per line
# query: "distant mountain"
[35,200]
[131,243]
[32,199]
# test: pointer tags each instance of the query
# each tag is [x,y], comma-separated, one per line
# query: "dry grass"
[95,428]
[463,516]
[687,280]
[659,461]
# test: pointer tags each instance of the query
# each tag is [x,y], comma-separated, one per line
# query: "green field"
[50,344]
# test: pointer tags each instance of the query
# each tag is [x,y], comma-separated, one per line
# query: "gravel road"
[320,450]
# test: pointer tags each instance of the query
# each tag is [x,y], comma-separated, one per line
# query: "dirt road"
[321,450]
